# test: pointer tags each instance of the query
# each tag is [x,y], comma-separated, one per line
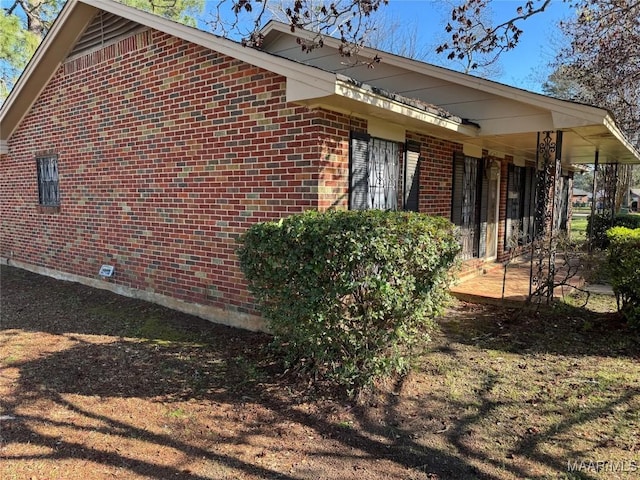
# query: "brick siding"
[167,152]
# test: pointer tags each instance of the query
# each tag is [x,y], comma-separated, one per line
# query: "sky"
[525,67]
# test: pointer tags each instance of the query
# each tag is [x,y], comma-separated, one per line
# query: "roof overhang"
[76,16]
[509,117]
[307,85]
[352,98]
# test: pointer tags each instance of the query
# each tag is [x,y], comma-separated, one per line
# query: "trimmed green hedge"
[346,293]
[627,220]
[602,223]
[624,260]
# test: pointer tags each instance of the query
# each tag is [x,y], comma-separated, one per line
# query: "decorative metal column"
[548,194]
[607,186]
[594,195]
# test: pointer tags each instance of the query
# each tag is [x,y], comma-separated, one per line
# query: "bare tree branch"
[472,32]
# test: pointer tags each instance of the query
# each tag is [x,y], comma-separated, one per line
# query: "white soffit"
[361,95]
[386,130]
[472,150]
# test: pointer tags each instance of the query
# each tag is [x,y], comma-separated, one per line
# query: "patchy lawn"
[97,386]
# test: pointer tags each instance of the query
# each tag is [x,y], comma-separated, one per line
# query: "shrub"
[627,220]
[624,262]
[602,223]
[347,293]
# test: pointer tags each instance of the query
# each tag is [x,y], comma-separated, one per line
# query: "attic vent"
[105,29]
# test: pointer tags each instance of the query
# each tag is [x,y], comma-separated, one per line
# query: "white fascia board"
[353,92]
[258,58]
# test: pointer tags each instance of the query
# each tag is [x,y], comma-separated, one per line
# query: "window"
[374,173]
[469,204]
[48,193]
[520,205]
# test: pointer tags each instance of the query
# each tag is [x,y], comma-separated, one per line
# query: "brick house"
[149,146]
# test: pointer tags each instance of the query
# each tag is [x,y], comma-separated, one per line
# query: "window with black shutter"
[48,192]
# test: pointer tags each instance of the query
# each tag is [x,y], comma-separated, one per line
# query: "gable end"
[106,28]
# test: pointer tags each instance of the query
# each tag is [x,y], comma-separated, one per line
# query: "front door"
[474,206]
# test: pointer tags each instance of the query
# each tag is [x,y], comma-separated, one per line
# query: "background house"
[580,198]
[139,143]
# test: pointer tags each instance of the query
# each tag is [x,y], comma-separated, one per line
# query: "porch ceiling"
[579,145]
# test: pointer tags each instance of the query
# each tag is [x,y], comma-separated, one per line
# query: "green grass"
[579,229]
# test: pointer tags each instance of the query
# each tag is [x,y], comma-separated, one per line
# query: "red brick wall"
[333,181]
[166,154]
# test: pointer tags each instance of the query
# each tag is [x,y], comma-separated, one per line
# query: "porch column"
[593,199]
[615,192]
[543,247]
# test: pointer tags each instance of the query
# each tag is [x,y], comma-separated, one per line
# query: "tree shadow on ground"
[44,304]
[560,329]
[427,433]
[187,372]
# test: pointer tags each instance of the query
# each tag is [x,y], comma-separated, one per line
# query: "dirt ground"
[97,386]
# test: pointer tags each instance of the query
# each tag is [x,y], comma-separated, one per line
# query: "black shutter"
[513,204]
[358,171]
[483,184]
[456,196]
[412,177]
